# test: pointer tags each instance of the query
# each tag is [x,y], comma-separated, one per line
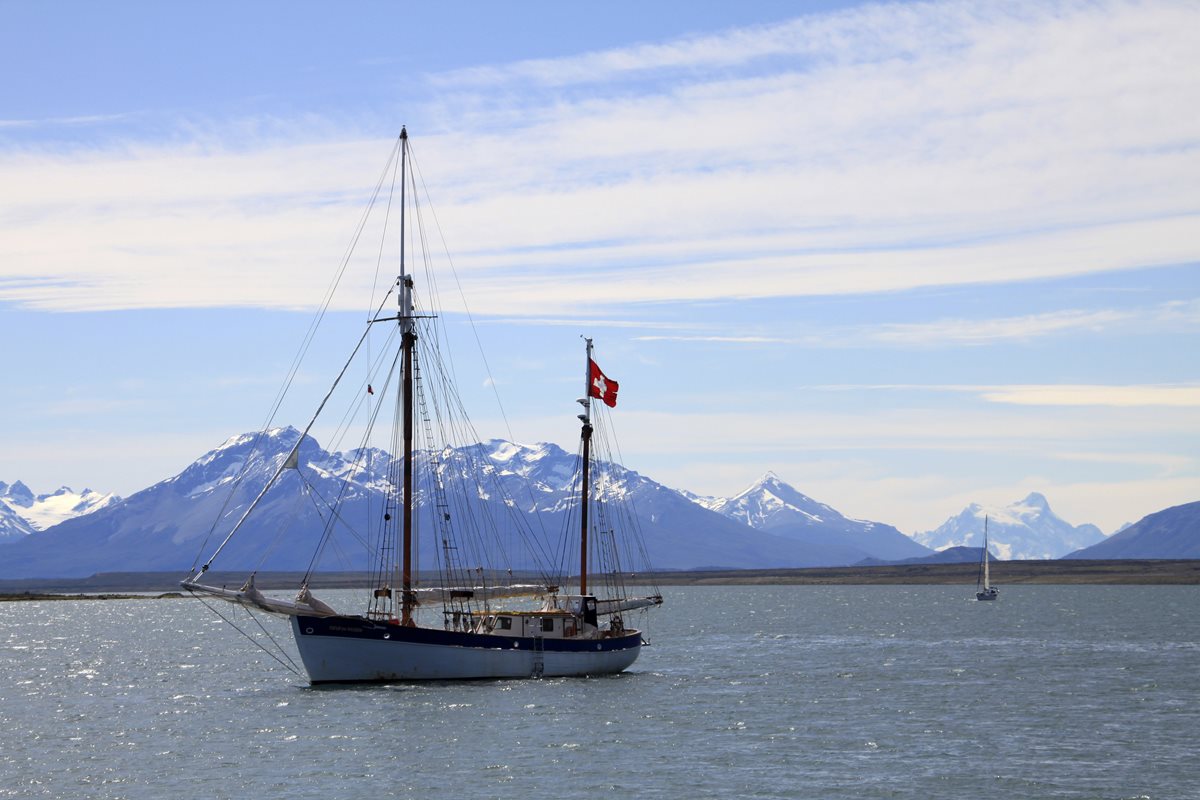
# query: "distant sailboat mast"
[984,589]
[986,574]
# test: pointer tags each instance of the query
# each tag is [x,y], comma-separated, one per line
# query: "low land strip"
[127,585]
[1003,573]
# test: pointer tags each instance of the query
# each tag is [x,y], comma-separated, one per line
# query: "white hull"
[344,650]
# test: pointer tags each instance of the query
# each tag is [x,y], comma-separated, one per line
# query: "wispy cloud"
[988,331]
[871,150]
[712,339]
[1094,395]
[1174,316]
[1184,395]
[862,35]
[54,122]
[641,323]
[1036,326]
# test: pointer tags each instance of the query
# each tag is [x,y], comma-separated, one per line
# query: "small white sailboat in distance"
[983,584]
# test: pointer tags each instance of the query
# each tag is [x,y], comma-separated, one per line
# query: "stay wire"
[461,294]
[283,466]
[289,665]
[305,344]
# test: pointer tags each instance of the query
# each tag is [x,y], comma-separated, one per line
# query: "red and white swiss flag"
[601,386]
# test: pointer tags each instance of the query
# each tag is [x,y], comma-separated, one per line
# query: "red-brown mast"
[583,534]
[408,342]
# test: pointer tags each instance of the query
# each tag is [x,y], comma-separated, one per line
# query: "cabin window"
[504,623]
[547,624]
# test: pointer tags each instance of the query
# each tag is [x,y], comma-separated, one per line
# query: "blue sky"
[907,256]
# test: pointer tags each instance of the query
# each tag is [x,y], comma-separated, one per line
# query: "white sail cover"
[626,604]
[305,603]
[604,607]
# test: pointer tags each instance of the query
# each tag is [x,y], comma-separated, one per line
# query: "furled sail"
[604,606]
[617,605]
[249,595]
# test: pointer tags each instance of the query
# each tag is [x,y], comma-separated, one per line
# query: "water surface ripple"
[762,692]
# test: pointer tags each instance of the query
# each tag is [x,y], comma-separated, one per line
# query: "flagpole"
[586,435]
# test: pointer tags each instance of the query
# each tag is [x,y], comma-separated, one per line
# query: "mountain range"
[165,527]
[22,512]
[774,507]
[1171,533]
[1025,530]
[168,526]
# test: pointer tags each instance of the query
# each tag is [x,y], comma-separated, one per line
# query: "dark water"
[768,692]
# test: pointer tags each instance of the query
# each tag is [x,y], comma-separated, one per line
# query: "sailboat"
[983,585]
[466,617]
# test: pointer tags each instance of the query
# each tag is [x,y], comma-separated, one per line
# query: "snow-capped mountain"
[1024,530]
[772,506]
[679,534]
[173,524]
[15,494]
[13,527]
[770,502]
[164,527]
[47,510]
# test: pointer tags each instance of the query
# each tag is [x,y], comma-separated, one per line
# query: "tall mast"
[986,577]
[585,498]
[408,342]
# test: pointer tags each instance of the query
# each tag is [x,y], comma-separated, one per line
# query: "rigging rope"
[477,526]
[295,450]
[289,665]
[305,344]
[461,294]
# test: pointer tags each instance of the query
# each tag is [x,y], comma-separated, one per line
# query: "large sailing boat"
[447,623]
[983,583]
